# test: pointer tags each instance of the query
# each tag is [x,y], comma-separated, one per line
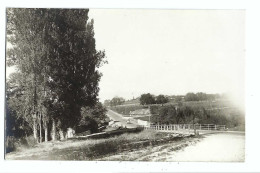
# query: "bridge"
[189,128]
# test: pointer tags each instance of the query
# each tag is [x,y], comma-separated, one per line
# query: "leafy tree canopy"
[147,99]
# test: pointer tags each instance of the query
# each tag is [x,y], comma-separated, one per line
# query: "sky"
[170,51]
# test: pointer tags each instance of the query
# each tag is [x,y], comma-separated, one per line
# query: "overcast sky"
[170,51]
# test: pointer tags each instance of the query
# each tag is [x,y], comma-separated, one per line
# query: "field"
[94,149]
[126,109]
[132,101]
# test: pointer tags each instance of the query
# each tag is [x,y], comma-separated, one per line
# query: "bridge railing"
[176,127]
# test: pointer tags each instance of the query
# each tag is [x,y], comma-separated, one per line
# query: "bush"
[10,144]
[154,109]
[14,144]
[28,141]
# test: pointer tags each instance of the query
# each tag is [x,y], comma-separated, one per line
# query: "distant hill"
[132,101]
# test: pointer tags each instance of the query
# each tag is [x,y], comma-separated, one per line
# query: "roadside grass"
[93,149]
[153,153]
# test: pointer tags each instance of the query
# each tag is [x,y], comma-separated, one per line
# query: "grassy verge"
[153,153]
[94,149]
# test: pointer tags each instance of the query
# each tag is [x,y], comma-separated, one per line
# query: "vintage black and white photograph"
[146,85]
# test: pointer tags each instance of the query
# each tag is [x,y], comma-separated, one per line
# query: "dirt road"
[118,117]
[223,147]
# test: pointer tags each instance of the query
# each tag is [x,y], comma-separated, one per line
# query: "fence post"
[200,126]
[208,126]
[215,127]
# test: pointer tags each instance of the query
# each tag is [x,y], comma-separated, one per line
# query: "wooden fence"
[178,127]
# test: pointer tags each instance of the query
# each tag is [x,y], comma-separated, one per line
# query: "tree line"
[148,99]
[200,96]
[57,76]
[193,114]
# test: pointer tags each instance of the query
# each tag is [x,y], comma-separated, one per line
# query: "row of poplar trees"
[57,65]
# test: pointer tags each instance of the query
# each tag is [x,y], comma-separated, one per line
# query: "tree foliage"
[174,114]
[161,99]
[147,99]
[92,118]
[200,96]
[117,101]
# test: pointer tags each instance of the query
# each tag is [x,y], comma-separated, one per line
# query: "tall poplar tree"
[55,54]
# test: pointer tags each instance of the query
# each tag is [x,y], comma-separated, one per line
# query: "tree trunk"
[40,124]
[53,130]
[61,134]
[194,126]
[35,130]
[46,131]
